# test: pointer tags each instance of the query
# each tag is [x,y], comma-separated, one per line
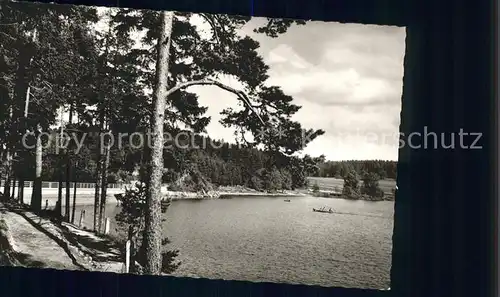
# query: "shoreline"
[88,199]
[228,194]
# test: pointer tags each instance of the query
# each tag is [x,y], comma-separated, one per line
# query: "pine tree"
[351,185]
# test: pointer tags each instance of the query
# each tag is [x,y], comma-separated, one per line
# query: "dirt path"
[105,255]
[34,248]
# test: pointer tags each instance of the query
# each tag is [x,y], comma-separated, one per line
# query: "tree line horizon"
[216,160]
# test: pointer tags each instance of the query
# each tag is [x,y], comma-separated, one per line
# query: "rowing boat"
[322,210]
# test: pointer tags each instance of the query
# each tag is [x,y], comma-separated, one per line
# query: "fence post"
[82,216]
[106,226]
[127,256]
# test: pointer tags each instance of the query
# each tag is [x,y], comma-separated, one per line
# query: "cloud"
[338,87]
[347,78]
[285,55]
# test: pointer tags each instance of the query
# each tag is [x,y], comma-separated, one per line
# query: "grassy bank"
[7,253]
[387,197]
[336,184]
[327,186]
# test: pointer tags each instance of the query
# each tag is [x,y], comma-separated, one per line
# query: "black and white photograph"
[198,145]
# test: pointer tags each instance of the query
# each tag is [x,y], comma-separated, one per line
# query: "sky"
[346,77]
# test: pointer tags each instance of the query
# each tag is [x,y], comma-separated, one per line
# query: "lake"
[267,239]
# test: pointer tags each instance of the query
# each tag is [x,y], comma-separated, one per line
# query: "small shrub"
[351,185]
[371,186]
[131,218]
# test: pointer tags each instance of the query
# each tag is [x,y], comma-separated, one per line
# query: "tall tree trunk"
[12,193]
[23,155]
[74,196]
[104,185]
[97,195]
[58,208]
[8,175]
[67,209]
[60,166]
[100,158]
[67,203]
[97,192]
[74,184]
[20,190]
[153,230]
[36,197]
[8,163]
[98,181]
[21,92]
[2,163]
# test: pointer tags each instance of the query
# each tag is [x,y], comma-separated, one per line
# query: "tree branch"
[244,138]
[40,89]
[212,24]
[8,36]
[221,26]
[241,95]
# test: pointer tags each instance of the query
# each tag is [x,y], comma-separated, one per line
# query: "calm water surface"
[267,239]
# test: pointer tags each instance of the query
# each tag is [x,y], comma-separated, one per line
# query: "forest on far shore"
[338,169]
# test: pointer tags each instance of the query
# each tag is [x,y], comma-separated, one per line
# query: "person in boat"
[330,209]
